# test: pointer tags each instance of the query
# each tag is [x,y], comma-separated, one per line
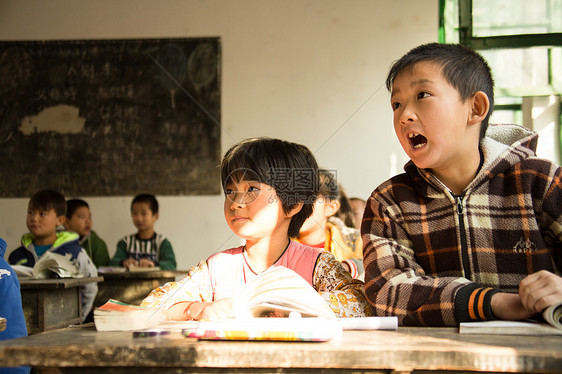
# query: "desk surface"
[148,274]
[132,287]
[29,283]
[404,350]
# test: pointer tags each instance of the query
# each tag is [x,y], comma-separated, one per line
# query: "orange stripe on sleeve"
[471,304]
[481,303]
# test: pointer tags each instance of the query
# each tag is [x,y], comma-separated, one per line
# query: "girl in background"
[331,226]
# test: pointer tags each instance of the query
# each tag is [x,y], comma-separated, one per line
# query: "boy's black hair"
[73,204]
[288,167]
[462,67]
[146,198]
[47,200]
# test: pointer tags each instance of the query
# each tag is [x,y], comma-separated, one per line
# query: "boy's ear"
[61,220]
[297,208]
[480,108]
[331,207]
[156,216]
[64,222]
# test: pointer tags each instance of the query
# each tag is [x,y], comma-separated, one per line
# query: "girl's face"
[252,209]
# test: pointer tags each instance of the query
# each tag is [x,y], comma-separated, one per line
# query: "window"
[522,42]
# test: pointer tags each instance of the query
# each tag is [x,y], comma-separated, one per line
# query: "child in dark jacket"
[79,220]
[46,211]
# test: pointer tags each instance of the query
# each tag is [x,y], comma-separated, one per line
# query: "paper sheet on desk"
[369,323]
[111,270]
[139,269]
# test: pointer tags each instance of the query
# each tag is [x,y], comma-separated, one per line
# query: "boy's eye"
[423,95]
[253,189]
[395,105]
[228,191]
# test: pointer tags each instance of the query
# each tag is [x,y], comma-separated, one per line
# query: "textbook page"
[277,292]
[50,265]
[552,315]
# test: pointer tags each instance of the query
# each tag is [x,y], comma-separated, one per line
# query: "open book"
[50,265]
[278,292]
[552,315]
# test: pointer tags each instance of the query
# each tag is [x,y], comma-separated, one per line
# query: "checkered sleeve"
[395,284]
[551,217]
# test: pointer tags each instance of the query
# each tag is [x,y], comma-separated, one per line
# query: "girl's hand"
[146,263]
[210,311]
[186,310]
[540,290]
[177,311]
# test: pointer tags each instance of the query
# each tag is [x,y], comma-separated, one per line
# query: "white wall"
[309,71]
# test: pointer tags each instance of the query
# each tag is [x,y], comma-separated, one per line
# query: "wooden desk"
[52,303]
[132,287]
[408,350]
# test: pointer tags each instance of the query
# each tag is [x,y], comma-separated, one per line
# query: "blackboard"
[110,117]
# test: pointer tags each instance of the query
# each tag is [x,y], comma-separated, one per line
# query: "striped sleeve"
[473,303]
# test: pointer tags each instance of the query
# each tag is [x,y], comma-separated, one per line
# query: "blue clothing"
[65,243]
[41,249]
[10,306]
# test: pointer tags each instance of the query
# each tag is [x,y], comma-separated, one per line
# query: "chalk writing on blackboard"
[110,117]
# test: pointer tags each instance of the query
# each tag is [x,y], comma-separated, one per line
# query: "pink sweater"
[229,270]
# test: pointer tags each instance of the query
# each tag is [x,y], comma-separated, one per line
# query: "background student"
[10,307]
[46,211]
[357,207]
[473,229]
[327,229]
[146,248]
[79,220]
[264,205]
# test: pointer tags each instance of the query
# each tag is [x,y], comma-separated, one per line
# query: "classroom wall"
[309,71]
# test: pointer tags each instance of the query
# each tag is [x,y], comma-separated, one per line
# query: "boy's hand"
[537,292]
[540,290]
[508,306]
[146,263]
[130,262]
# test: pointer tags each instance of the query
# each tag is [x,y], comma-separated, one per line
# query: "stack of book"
[118,316]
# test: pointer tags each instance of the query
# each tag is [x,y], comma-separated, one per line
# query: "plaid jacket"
[435,259]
